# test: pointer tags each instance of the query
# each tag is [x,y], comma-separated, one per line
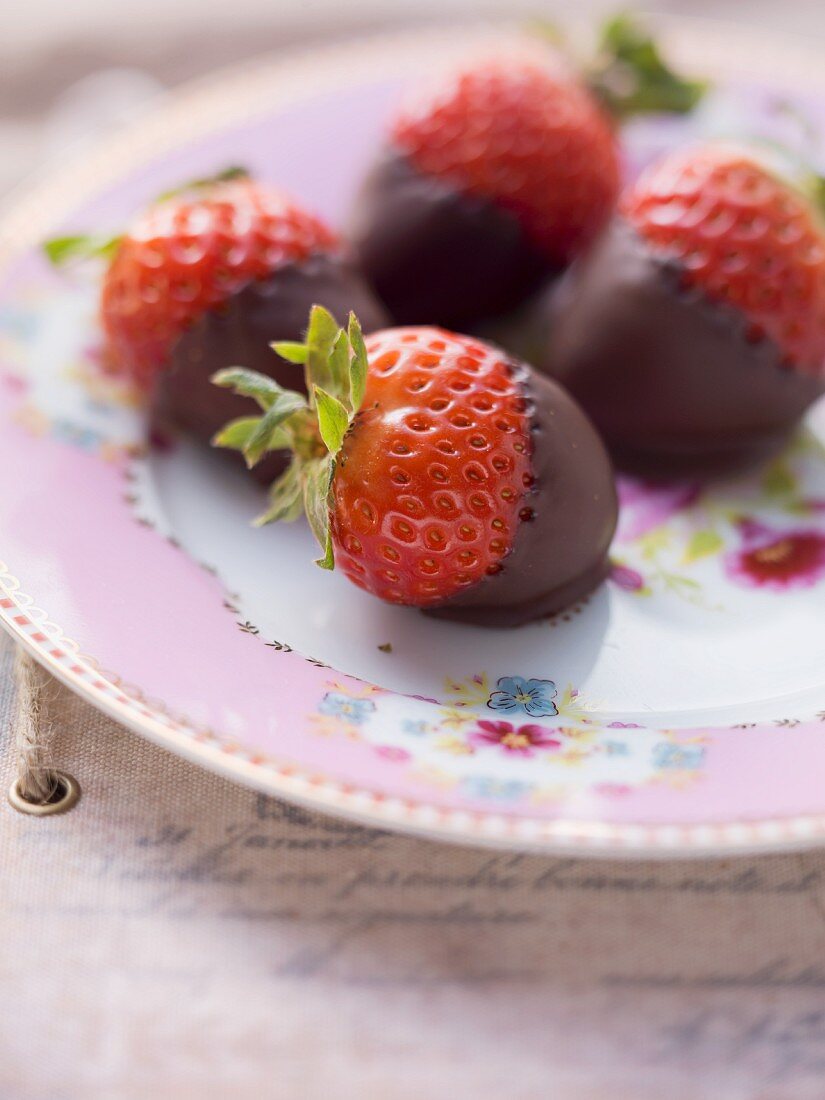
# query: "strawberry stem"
[312,428]
[631,77]
[226,175]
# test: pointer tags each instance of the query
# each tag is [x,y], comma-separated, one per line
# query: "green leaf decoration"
[292,352]
[250,383]
[798,508]
[358,366]
[286,499]
[778,480]
[652,543]
[333,420]
[285,404]
[702,544]
[317,480]
[680,583]
[62,250]
[631,76]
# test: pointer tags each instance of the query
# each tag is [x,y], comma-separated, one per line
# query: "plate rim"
[161,129]
[30,627]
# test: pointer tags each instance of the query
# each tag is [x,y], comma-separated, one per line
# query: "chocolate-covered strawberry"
[209,276]
[498,175]
[694,331]
[450,477]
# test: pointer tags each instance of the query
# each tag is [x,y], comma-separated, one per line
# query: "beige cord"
[39,788]
[32,734]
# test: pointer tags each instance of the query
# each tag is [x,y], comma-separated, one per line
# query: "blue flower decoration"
[669,755]
[501,790]
[517,695]
[417,729]
[342,706]
[616,748]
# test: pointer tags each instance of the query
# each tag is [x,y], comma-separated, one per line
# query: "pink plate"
[681,709]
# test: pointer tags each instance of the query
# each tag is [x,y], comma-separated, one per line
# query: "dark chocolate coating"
[668,377]
[435,256]
[239,332]
[560,554]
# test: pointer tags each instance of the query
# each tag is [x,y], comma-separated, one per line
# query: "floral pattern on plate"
[515,761]
[763,532]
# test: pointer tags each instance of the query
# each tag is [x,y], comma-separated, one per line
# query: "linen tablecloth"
[176,935]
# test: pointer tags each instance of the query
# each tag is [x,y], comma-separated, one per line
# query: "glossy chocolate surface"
[668,377]
[239,333]
[559,555]
[435,256]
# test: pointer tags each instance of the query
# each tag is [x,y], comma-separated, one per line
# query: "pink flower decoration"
[625,577]
[780,560]
[14,382]
[646,506]
[523,741]
[752,529]
[392,753]
[612,790]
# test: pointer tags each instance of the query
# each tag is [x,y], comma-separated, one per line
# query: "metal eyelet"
[65,794]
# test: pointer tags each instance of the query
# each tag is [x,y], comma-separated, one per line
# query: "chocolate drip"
[436,256]
[239,333]
[668,377]
[559,555]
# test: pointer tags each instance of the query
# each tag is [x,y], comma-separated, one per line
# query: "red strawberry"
[532,141]
[491,182]
[455,479]
[743,236]
[499,174]
[440,413]
[188,254]
[693,332]
[209,276]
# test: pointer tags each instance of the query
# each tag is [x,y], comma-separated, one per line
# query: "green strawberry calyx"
[63,250]
[789,168]
[311,427]
[74,247]
[630,76]
[204,183]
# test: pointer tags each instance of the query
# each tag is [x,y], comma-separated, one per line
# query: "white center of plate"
[707,628]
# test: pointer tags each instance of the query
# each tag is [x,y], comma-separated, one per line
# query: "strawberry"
[499,174]
[693,332]
[188,254]
[208,276]
[743,236]
[449,477]
[532,141]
